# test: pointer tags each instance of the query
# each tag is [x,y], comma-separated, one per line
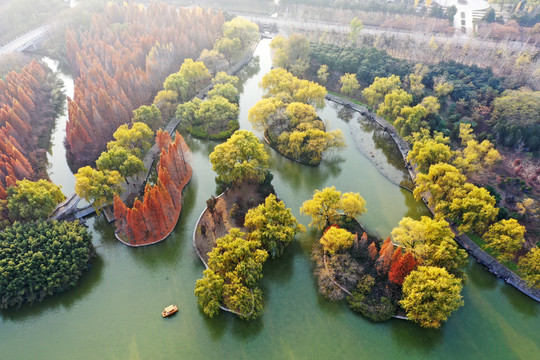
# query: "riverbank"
[482,257]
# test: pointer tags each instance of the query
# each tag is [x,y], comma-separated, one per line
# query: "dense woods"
[29,102]
[120,63]
[40,259]
[153,218]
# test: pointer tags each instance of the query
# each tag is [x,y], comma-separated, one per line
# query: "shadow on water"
[411,338]
[66,300]
[251,69]
[344,113]
[478,276]
[520,302]
[415,209]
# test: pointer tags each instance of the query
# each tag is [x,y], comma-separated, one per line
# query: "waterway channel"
[114,312]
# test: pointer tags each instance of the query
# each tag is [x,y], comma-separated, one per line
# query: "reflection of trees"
[367,125]
[251,69]
[345,113]
[416,209]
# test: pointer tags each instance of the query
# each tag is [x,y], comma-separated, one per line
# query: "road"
[25,40]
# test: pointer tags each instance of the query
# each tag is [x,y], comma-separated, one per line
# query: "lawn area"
[480,242]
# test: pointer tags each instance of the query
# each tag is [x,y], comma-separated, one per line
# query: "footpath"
[482,257]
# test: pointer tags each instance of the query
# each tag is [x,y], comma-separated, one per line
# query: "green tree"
[241,157]
[432,243]
[430,295]
[98,187]
[165,101]
[349,84]
[176,83]
[228,47]
[291,53]
[137,140]
[327,205]
[506,237]
[273,225]
[356,27]
[241,29]
[211,59]
[223,78]
[196,75]
[33,200]
[218,110]
[411,120]
[529,266]
[228,91]
[381,86]
[119,159]
[336,239]
[150,115]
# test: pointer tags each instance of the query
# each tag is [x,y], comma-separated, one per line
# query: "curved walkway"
[472,248]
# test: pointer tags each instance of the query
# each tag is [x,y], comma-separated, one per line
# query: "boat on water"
[169,310]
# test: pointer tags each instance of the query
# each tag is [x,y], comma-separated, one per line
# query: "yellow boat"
[169,310]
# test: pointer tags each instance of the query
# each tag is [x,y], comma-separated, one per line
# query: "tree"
[474,207]
[211,59]
[31,200]
[427,151]
[242,29]
[430,295]
[381,86]
[291,53]
[401,268]
[196,75]
[506,237]
[325,206]
[393,103]
[228,47]
[356,27]
[442,181]
[431,103]
[336,239]
[234,267]
[241,157]
[322,74]
[228,91]
[150,115]
[273,225]
[529,266]
[476,156]
[260,115]
[176,83]
[443,89]
[165,101]
[98,187]
[411,120]
[415,84]
[349,84]
[119,159]
[432,243]
[136,141]
[223,78]
[217,110]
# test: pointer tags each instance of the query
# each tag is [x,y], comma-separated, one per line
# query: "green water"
[114,312]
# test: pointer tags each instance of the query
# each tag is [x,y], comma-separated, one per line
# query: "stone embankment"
[472,248]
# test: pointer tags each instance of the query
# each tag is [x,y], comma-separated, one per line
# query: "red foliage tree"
[372,250]
[401,268]
[154,218]
[385,257]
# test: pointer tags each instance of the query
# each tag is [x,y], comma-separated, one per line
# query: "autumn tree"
[241,157]
[432,243]
[137,140]
[336,239]
[474,207]
[291,53]
[349,84]
[165,101]
[30,200]
[393,104]
[150,115]
[529,266]
[228,91]
[98,187]
[241,29]
[223,78]
[273,225]
[401,268]
[475,156]
[381,86]
[229,48]
[121,160]
[430,295]
[211,59]
[327,205]
[411,120]
[322,74]
[506,237]
[356,27]
[442,181]
[427,151]
[234,267]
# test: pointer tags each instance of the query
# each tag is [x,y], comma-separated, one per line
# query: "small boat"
[169,310]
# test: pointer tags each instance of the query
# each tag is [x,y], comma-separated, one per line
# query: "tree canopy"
[336,239]
[505,237]
[273,225]
[121,160]
[137,140]
[291,53]
[430,295]
[150,115]
[327,205]
[529,266]
[33,200]
[98,187]
[241,157]
[241,29]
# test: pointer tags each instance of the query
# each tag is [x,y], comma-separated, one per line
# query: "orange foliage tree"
[120,63]
[401,267]
[154,218]
[27,106]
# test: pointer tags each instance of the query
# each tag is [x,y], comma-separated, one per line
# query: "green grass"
[480,242]
[357,102]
